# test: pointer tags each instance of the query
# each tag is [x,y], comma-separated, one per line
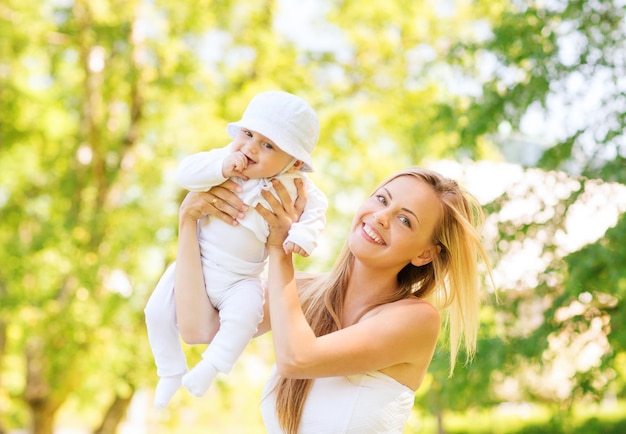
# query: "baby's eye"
[247,133]
[268,146]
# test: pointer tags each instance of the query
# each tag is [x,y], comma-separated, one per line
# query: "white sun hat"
[285,119]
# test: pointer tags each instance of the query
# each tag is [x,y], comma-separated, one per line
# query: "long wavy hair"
[450,282]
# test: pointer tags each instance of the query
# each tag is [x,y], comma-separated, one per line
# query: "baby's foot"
[166,388]
[198,380]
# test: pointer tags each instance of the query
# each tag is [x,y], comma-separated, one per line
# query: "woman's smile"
[372,234]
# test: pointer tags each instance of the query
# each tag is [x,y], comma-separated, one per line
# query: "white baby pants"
[240,304]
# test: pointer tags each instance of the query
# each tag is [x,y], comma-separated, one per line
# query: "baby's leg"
[164,339]
[240,310]
[166,388]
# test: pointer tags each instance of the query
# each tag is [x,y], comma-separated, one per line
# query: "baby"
[273,139]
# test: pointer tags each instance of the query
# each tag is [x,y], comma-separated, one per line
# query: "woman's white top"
[372,403]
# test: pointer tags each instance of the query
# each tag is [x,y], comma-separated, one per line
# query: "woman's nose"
[381,218]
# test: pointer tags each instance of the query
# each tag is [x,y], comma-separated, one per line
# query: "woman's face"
[395,225]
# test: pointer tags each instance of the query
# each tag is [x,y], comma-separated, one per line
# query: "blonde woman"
[354,345]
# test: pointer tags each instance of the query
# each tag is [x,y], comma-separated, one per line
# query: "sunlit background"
[523,102]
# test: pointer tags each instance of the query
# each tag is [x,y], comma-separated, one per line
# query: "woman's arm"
[298,208]
[290,330]
[197,318]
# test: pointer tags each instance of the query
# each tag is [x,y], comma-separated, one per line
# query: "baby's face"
[265,159]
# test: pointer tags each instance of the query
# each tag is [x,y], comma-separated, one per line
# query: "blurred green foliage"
[100,99]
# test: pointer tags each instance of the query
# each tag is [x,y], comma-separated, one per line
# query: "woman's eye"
[381,199]
[405,221]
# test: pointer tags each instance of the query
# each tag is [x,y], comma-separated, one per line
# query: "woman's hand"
[284,211]
[220,201]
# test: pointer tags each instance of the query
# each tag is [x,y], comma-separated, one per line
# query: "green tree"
[532,61]
[72,239]
[100,99]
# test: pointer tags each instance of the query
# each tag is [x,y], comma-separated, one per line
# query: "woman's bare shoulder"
[410,311]
[412,304]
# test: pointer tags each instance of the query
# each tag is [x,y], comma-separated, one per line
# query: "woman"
[353,346]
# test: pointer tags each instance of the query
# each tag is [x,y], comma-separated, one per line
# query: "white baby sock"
[198,380]
[166,388]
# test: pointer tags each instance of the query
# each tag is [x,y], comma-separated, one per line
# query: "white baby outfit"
[372,403]
[233,257]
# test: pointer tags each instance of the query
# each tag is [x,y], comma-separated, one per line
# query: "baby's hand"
[290,247]
[234,165]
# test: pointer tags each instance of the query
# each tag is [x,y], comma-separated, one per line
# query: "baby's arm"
[203,170]
[302,238]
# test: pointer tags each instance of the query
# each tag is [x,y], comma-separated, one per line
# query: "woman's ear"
[426,256]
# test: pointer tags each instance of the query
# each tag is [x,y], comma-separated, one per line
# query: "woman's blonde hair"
[450,282]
